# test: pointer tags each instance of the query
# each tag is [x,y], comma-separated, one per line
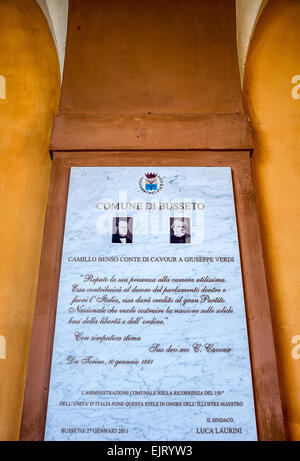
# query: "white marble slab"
[213,233]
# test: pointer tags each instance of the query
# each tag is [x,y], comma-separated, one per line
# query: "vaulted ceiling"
[247,15]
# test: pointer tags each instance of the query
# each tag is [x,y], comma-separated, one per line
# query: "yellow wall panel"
[29,65]
[273,61]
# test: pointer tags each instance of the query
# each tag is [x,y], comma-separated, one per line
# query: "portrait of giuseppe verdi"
[122,230]
[179,230]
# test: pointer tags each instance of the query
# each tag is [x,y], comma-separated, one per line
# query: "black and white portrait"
[180,230]
[122,230]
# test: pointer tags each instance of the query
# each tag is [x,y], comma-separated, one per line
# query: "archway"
[30,67]
[270,95]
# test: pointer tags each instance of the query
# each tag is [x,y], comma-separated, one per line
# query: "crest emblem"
[151,183]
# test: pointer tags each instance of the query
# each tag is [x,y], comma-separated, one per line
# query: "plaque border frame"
[268,408]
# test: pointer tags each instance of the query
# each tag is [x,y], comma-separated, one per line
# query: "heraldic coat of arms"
[151,183]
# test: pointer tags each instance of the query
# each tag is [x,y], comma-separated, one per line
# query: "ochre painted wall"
[274,58]
[28,61]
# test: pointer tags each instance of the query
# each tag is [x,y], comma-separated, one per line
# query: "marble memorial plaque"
[150,337]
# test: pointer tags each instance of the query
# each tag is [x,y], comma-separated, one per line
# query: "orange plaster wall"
[274,58]
[28,61]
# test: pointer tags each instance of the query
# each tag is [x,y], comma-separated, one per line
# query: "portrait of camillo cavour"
[122,230]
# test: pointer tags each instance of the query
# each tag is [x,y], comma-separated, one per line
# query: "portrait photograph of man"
[180,230]
[122,230]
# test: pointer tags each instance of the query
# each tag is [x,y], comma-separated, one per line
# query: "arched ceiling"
[247,15]
[56,13]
